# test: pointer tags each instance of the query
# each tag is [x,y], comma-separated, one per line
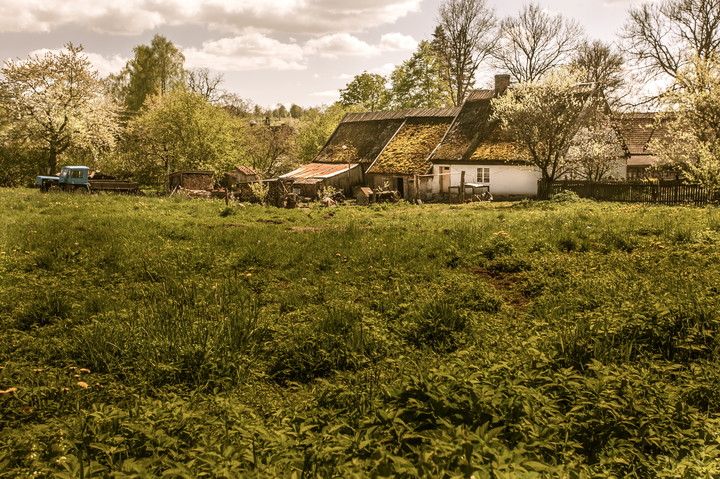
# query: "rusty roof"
[245,170]
[316,172]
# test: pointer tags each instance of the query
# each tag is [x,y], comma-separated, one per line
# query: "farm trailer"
[77,179]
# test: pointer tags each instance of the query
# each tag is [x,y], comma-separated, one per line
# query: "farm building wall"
[507,181]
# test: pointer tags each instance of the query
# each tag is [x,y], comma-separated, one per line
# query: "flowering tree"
[692,123]
[55,102]
[544,116]
[596,151]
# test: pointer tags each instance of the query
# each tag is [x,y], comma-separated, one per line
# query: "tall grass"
[564,339]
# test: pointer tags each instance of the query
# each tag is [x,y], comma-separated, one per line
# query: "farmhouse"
[448,153]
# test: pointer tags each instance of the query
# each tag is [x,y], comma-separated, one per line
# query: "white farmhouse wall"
[505,180]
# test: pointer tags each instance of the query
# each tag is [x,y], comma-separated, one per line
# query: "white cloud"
[107,65]
[132,17]
[252,51]
[340,44]
[392,42]
[383,70]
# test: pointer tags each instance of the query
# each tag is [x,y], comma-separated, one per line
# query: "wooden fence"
[661,193]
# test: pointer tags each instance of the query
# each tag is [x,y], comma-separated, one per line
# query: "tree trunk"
[52,159]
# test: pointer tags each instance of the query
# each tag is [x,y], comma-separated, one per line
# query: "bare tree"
[200,81]
[534,42]
[664,37]
[602,63]
[464,38]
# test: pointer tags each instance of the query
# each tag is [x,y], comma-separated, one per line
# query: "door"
[444,172]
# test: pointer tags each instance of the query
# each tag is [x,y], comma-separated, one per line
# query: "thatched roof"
[407,153]
[361,137]
[470,124]
[358,141]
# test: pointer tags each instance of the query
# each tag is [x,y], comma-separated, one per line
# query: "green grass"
[145,336]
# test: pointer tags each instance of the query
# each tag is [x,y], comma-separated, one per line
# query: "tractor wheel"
[54,189]
[81,190]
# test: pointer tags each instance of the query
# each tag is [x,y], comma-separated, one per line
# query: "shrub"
[436,324]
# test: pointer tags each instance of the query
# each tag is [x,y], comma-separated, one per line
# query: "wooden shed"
[309,179]
[191,180]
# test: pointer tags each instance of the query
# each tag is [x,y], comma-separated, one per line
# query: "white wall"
[505,180]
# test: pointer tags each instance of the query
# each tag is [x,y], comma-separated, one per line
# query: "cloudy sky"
[270,51]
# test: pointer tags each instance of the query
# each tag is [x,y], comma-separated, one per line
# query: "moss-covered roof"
[466,129]
[358,142]
[407,153]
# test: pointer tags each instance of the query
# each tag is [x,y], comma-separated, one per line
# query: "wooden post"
[462,186]
[416,182]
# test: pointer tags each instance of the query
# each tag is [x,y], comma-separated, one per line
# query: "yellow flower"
[82,384]
[8,391]
[85,370]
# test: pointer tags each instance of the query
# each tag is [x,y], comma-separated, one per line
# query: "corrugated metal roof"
[401,114]
[318,171]
[480,95]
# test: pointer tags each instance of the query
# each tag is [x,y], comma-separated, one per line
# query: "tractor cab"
[69,178]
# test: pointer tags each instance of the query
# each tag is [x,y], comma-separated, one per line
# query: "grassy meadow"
[147,337]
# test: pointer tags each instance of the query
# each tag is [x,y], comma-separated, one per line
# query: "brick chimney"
[502,82]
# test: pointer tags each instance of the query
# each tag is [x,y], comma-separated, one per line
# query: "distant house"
[239,174]
[637,131]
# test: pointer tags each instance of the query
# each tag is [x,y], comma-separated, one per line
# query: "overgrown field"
[146,337]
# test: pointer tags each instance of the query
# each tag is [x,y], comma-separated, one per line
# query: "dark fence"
[661,193]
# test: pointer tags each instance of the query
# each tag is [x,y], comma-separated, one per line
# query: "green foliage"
[153,336]
[156,69]
[178,131]
[260,191]
[366,90]
[417,82]
[692,117]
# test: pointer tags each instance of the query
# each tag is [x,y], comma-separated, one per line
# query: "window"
[483,175]
[77,174]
